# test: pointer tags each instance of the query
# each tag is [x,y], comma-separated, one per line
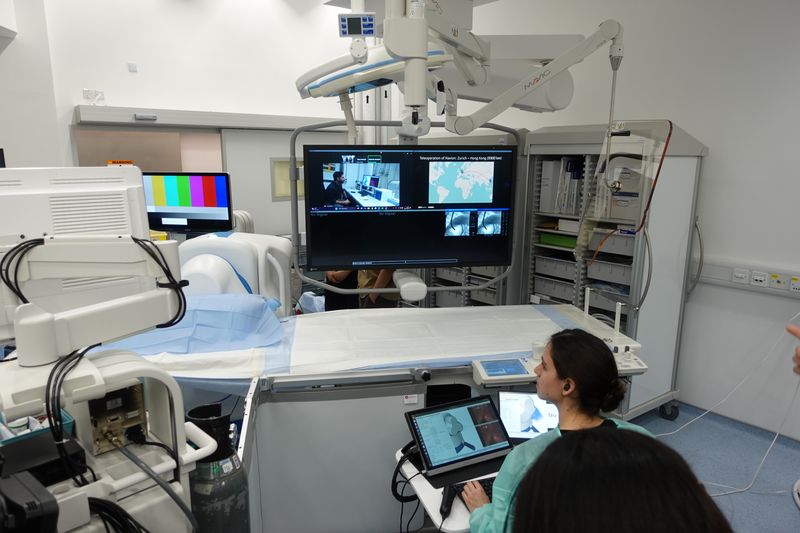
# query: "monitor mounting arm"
[42,336]
[610,30]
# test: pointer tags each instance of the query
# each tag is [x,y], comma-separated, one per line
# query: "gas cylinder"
[218,483]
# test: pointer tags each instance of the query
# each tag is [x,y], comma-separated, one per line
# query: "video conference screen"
[188,202]
[408,206]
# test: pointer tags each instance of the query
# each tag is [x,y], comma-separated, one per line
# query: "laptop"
[525,415]
[459,441]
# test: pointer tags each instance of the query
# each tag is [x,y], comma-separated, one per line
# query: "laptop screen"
[525,415]
[458,434]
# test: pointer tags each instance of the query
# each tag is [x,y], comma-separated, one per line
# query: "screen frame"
[516,437]
[458,462]
[193,225]
[315,264]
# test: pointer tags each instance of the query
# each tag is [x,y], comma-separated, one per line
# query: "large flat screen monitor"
[408,206]
[189,202]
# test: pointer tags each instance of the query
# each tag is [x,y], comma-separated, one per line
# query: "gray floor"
[723,451]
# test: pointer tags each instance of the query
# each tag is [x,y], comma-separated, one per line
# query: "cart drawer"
[616,244]
[610,271]
[563,290]
[601,301]
[557,268]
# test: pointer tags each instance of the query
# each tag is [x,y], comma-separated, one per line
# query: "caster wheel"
[668,411]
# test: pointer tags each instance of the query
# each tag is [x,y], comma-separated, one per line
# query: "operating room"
[209,87]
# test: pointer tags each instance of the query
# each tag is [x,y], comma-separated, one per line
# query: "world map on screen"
[452,182]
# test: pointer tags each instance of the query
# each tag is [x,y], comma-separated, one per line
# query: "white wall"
[238,56]
[8,17]
[724,70]
[28,127]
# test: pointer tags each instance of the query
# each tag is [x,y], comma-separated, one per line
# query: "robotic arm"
[609,30]
[420,37]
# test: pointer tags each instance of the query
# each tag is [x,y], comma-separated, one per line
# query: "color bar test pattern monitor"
[188,202]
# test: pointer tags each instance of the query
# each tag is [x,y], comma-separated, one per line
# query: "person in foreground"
[578,374]
[604,479]
[794,330]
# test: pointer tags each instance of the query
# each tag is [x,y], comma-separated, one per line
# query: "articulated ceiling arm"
[609,30]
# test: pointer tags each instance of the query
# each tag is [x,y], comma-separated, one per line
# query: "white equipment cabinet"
[620,270]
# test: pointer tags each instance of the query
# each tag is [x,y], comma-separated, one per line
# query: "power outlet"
[93,95]
[741,275]
[779,281]
[794,284]
[759,279]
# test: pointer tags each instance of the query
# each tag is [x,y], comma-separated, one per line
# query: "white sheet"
[404,337]
[350,339]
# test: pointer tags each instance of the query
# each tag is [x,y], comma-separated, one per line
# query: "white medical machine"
[239,263]
[78,271]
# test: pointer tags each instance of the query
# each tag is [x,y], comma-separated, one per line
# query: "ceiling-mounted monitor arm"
[471,53]
[610,30]
[406,31]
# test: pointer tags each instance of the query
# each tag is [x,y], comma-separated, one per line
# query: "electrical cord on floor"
[155,477]
[760,363]
[735,388]
[762,492]
[764,459]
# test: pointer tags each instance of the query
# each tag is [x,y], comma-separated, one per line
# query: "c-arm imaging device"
[420,38]
[69,284]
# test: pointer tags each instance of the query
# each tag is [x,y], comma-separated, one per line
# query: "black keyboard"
[487,483]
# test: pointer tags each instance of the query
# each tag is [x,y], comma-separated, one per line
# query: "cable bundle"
[114,517]
[155,254]
[52,404]
[16,253]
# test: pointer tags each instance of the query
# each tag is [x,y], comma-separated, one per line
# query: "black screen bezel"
[315,262]
[194,225]
[461,461]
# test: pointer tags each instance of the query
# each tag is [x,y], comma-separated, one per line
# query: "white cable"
[746,378]
[764,492]
[795,494]
[764,459]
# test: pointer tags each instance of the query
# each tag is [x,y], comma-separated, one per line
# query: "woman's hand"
[794,330]
[474,496]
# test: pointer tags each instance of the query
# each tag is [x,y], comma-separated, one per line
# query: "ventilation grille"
[85,180]
[98,213]
[10,183]
[81,283]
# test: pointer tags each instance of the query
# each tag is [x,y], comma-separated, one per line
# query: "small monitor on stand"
[190,203]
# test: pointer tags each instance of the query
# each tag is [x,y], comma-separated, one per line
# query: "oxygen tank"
[218,483]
